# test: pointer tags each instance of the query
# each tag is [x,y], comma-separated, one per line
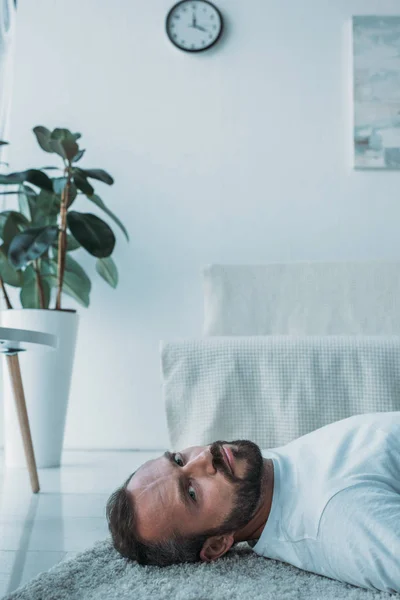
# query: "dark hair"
[121,517]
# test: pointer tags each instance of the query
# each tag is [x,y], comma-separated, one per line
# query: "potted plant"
[35,256]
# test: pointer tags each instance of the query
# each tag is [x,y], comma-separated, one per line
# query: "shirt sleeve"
[359,537]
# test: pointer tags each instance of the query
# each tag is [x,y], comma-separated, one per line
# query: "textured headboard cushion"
[302,298]
[273,389]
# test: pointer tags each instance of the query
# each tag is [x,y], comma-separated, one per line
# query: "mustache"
[218,459]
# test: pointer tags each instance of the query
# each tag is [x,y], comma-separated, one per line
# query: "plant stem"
[40,285]
[62,237]
[6,298]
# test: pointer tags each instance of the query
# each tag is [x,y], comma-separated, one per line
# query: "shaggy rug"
[99,573]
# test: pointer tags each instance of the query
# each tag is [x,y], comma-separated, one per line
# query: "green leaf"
[40,179]
[3,143]
[48,202]
[71,148]
[3,219]
[98,174]
[72,243]
[30,244]
[73,192]
[56,138]
[57,147]
[44,220]
[23,204]
[50,168]
[11,224]
[92,233]
[43,138]
[60,133]
[63,142]
[107,268]
[72,266]
[59,184]
[76,282]
[47,209]
[78,156]
[99,202]
[47,269]
[27,201]
[82,183]
[7,272]
[30,294]
[72,286]
[33,176]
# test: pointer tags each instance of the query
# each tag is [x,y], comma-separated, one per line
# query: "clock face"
[194,25]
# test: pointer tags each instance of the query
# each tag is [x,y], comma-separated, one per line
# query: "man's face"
[213,496]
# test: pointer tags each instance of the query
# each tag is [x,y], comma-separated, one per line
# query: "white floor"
[67,516]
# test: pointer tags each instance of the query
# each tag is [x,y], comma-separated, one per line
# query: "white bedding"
[273,389]
[302,298]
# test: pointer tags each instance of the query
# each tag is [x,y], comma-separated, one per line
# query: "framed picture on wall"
[376,92]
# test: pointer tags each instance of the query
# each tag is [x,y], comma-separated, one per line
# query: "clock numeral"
[203,42]
[214,27]
[210,36]
[183,42]
[212,17]
[193,46]
[177,17]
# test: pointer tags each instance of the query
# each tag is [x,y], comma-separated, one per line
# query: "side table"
[12,342]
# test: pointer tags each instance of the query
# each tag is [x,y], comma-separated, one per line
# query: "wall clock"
[194,25]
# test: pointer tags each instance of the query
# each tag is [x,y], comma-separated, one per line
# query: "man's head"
[187,506]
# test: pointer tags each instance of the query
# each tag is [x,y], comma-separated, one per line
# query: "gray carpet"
[99,573]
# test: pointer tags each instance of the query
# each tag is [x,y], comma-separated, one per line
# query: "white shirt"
[336,502]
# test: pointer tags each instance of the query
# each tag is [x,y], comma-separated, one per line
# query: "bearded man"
[327,502]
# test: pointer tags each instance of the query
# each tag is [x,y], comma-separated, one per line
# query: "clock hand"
[201,28]
[194,21]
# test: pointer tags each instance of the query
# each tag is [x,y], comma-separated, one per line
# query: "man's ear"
[216,546]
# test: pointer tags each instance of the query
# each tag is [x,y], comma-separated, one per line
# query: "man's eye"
[193,493]
[177,455]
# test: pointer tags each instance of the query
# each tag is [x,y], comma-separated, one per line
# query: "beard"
[247,489]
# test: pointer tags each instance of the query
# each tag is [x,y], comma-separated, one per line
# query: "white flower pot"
[46,377]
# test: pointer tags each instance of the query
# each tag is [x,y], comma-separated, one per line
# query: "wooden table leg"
[16,380]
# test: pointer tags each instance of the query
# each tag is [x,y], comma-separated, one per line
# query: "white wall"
[7,34]
[241,154]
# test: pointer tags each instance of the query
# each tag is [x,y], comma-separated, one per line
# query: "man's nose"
[201,464]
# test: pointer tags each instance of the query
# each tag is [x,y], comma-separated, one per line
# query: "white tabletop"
[24,339]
